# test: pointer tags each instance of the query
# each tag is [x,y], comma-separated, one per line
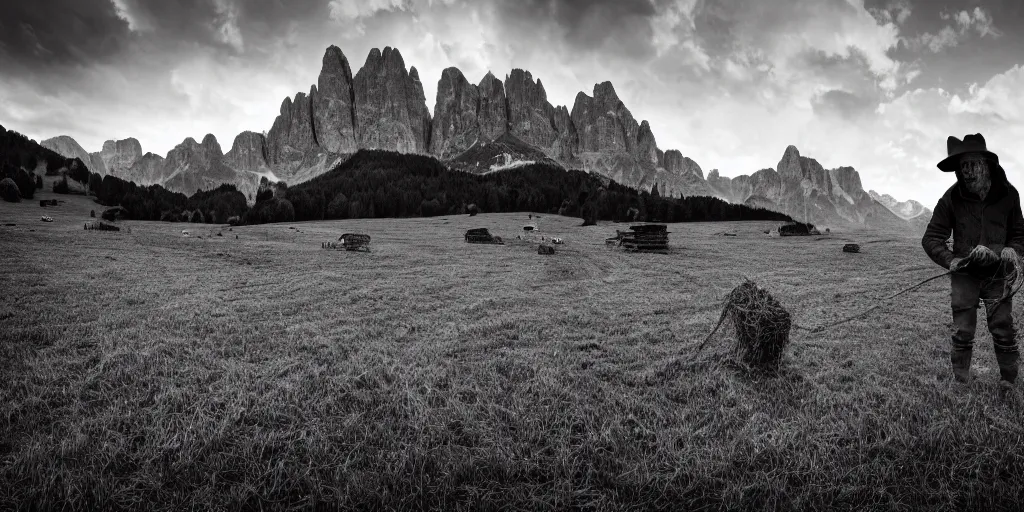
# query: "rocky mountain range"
[480,127]
[907,209]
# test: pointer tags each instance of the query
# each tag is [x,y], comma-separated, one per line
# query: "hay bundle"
[762,325]
[851,248]
[545,249]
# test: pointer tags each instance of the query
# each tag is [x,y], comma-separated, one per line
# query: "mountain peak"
[451,72]
[520,74]
[334,61]
[491,81]
[393,58]
[67,147]
[211,145]
[373,58]
[605,91]
[333,123]
[389,108]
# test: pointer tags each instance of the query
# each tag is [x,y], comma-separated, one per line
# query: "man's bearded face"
[975,174]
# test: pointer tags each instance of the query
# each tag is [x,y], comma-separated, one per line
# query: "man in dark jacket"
[983,212]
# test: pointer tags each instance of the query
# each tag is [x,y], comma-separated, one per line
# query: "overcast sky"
[873,84]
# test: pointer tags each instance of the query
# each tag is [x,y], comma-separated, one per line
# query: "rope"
[1013,278]
[725,312]
[1012,275]
[872,308]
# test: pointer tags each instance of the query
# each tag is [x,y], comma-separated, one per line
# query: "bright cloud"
[873,84]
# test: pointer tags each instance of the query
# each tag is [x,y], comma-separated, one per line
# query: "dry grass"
[145,370]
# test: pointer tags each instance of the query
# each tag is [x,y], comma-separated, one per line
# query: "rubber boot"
[1007,366]
[961,359]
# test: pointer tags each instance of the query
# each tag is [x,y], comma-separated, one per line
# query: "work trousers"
[966,290]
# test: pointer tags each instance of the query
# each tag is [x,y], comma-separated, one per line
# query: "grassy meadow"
[248,368]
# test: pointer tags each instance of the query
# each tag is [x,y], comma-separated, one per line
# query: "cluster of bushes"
[9,191]
[18,183]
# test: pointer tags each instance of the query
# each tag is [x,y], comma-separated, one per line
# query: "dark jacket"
[995,222]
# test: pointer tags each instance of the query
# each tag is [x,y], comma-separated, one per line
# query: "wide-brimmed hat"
[957,148]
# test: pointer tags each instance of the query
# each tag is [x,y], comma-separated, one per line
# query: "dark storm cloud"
[200,20]
[61,36]
[45,33]
[714,22]
[619,26]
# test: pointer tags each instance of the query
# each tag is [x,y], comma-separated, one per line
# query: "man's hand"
[983,256]
[954,264]
[1009,256]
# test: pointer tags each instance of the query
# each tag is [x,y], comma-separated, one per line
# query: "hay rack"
[643,238]
[349,242]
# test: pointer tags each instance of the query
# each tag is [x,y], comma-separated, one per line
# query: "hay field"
[145,370]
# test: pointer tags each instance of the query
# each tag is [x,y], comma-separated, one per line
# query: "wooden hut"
[645,237]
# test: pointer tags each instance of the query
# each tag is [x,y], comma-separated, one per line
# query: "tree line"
[21,158]
[376,184]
